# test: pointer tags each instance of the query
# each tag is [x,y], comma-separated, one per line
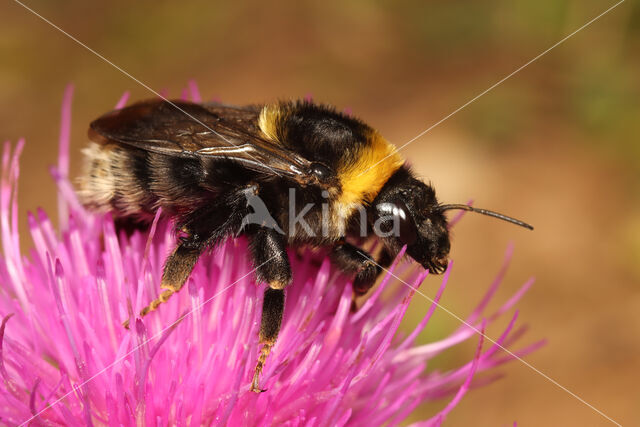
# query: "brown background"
[556,145]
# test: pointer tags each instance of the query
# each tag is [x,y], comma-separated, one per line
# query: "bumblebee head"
[407,212]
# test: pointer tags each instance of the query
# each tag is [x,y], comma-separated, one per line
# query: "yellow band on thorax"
[362,180]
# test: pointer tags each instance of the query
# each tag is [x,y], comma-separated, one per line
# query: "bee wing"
[185,129]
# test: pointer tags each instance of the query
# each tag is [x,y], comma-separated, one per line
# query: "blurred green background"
[556,145]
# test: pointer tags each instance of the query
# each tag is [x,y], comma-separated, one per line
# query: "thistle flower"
[65,358]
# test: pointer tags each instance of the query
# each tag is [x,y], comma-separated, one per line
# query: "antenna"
[443,208]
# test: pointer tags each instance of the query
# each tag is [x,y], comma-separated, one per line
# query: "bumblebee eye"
[408,230]
[320,170]
[407,227]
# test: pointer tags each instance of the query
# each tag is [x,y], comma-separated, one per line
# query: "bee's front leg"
[268,248]
[353,260]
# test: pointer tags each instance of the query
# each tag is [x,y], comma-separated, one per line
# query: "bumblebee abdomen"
[115,179]
[134,183]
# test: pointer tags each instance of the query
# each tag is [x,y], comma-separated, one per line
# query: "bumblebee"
[214,168]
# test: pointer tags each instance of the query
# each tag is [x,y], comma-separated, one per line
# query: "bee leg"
[204,227]
[177,269]
[272,266]
[352,259]
[272,311]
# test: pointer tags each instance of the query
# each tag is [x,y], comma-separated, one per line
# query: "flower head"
[65,358]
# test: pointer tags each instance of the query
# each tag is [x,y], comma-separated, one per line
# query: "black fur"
[268,249]
[220,218]
[272,309]
[354,260]
[140,167]
[319,132]
[179,265]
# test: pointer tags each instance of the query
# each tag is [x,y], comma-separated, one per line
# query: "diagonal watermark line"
[508,76]
[506,350]
[138,81]
[158,334]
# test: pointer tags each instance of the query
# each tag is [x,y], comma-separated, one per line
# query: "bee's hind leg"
[272,266]
[176,271]
[204,227]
